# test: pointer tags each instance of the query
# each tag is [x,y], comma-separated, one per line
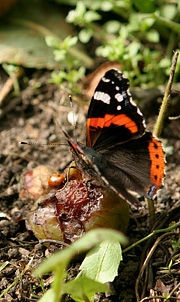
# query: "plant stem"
[166,99]
[172,227]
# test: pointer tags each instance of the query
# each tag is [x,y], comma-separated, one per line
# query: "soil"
[37,115]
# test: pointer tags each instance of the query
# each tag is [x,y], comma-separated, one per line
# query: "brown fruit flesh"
[68,213]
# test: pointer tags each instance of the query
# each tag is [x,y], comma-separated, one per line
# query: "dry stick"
[144,266]
[165,102]
[159,297]
[159,124]
[173,290]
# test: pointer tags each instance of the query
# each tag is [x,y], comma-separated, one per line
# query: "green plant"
[141,35]
[105,256]
[99,266]
[71,71]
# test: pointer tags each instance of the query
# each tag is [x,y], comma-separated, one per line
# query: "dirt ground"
[37,115]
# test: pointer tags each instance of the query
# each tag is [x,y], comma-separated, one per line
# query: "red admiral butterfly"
[119,153]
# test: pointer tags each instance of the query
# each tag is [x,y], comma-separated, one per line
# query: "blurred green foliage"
[141,35]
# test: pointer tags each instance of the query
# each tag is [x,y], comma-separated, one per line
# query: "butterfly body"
[119,153]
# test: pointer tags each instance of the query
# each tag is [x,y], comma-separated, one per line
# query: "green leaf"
[152,35]
[146,23]
[85,35]
[96,236]
[133,49]
[112,26]
[77,15]
[60,55]
[168,11]
[80,8]
[49,296]
[145,6]
[102,262]
[91,16]
[83,244]
[69,42]
[21,46]
[52,41]
[165,63]
[22,35]
[106,6]
[59,261]
[83,289]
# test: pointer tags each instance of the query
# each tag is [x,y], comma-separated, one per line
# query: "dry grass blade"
[146,261]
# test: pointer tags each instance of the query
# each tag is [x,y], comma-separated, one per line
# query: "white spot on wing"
[105,80]
[112,82]
[128,92]
[102,96]
[118,97]
[139,111]
[117,88]
[105,180]
[132,102]
[119,107]
[144,123]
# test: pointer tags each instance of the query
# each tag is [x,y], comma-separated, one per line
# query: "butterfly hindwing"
[140,164]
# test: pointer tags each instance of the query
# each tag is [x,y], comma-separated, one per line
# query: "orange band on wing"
[157,157]
[108,120]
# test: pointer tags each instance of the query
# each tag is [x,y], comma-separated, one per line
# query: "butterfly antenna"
[73,116]
[39,144]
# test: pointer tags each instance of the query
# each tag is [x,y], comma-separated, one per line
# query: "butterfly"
[119,153]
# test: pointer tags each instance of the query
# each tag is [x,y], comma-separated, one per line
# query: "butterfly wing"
[113,117]
[137,165]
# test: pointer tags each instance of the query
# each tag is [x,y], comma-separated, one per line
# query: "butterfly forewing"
[113,117]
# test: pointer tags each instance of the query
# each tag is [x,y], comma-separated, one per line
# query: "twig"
[174,117]
[158,297]
[149,255]
[174,289]
[166,98]
[42,241]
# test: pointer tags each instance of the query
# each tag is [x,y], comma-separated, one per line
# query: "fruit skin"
[81,205]
[34,183]
[43,221]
